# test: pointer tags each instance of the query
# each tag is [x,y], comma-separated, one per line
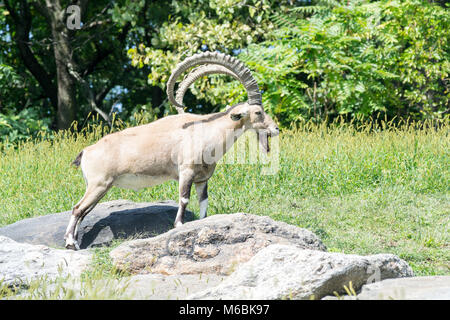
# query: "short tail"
[77,160]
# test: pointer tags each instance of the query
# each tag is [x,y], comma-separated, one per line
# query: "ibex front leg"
[185,184]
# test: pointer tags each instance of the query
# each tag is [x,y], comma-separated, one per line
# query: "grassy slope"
[362,192]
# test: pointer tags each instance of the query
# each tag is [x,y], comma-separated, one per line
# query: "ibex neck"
[218,134]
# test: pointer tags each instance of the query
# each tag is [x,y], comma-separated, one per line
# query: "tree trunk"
[21,37]
[66,85]
[61,87]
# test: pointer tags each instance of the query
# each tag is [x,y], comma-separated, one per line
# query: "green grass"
[101,281]
[69,288]
[361,189]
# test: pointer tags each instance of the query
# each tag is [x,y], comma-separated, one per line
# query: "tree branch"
[90,93]
[42,10]
[83,6]
[21,39]
[94,24]
[102,94]
[102,54]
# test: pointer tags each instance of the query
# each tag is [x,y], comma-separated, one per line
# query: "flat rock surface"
[139,287]
[22,262]
[287,272]
[106,222]
[416,288]
[217,244]
[171,287]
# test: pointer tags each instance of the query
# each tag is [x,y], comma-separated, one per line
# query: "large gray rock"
[285,272]
[107,221]
[217,244]
[21,263]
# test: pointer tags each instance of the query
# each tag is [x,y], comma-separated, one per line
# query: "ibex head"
[250,113]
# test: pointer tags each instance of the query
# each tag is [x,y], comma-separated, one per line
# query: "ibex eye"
[258,113]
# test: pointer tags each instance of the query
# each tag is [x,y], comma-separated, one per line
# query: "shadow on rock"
[111,220]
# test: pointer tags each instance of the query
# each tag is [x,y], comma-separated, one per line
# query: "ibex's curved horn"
[241,72]
[197,73]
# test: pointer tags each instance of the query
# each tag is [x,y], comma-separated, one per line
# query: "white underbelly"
[138,181]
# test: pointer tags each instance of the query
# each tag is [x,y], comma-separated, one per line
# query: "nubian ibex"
[184,147]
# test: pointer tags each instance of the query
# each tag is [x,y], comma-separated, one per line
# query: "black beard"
[263,138]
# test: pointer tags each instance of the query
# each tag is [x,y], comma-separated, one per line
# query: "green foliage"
[17,122]
[275,68]
[204,25]
[312,59]
[10,82]
[16,127]
[357,59]
[12,90]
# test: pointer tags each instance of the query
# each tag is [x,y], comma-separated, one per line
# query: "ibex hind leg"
[85,213]
[202,196]
[91,197]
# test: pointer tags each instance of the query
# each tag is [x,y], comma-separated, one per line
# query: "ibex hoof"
[178,224]
[72,247]
[72,244]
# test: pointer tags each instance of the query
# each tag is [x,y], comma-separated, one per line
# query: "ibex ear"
[236,116]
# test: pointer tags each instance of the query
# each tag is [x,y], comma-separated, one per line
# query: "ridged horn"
[242,73]
[197,73]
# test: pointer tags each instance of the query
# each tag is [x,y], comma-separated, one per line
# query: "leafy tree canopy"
[327,58]
[312,58]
